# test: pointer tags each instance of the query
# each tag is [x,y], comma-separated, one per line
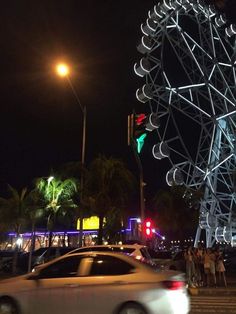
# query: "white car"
[138,251]
[95,283]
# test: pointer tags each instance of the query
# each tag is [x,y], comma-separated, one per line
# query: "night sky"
[40,121]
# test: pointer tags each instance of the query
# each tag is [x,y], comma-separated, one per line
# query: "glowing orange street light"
[62,69]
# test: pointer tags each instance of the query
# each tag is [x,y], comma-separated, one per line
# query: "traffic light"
[138,127]
[148,228]
[137,130]
[140,130]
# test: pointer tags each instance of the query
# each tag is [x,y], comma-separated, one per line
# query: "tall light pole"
[63,71]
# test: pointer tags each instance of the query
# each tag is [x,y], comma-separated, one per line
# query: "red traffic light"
[148,228]
[140,118]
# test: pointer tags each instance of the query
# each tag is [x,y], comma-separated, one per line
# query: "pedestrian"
[207,259]
[201,253]
[197,266]
[190,271]
[213,266]
[220,268]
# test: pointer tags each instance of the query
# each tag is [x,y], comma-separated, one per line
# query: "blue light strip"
[131,219]
[37,233]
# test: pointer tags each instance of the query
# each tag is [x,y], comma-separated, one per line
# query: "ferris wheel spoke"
[193,56]
[222,95]
[222,44]
[197,45]
[211,101]
[225,80]
[175,91]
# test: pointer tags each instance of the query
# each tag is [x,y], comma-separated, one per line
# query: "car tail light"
[173,285]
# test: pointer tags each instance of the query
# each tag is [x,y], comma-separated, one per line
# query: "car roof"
[131,246]
[119,246]
[122,245]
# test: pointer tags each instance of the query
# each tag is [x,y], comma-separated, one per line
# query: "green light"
[140,142]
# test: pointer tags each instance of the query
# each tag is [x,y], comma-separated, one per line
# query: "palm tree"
[108,185]
[76,170]
[57,195]
[13,211]
[13,214]
[34,211]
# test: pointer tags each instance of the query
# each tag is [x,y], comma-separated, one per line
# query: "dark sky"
[40,121]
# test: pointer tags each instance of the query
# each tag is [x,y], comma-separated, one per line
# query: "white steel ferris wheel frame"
[203,44]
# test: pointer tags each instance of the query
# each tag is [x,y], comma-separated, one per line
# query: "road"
[213,304]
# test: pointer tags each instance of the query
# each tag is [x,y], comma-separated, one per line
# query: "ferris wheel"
[188,61]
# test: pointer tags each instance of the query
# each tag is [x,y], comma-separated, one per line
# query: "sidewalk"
[218,291]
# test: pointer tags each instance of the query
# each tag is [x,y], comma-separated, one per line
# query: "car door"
[106,284]
[56,288]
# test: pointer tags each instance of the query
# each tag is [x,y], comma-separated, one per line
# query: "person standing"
[207,259]
[220,268]
[197,263]
[188,256]
[213,266]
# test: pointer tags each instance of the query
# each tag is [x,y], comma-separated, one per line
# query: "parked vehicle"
[6,257]
[39,256]
[95,283]
[168,260]
[160,258]
[178,262]
[138,251]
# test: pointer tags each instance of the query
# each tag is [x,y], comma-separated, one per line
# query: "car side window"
[86,249]
[123,250]
[67,267]
[109,265]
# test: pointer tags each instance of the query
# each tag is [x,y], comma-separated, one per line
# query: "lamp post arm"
[75,94]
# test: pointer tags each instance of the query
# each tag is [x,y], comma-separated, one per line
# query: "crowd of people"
[204,267]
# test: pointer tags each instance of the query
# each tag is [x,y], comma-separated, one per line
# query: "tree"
[108,185]
[76,170]
[57,195]
[14,214]
[12,210]
[34,210]
[173,214]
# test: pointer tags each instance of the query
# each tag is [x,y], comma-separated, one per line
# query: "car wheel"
[8,306]
[132,308]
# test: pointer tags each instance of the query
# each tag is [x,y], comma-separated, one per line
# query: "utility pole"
[132,143]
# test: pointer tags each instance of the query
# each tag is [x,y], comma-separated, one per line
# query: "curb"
[193,291]
[212,291]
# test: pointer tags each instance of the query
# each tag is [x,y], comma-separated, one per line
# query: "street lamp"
[63,70]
